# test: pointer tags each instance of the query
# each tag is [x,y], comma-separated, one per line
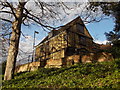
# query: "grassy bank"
[91,75]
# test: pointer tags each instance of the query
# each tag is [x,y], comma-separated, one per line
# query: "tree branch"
[5,12]
[30,14]
[25,24]
[37,21]
[48,27]
[5,20]
[94,20]
[12,9]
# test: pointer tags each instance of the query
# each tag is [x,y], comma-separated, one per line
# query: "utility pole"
[33,54]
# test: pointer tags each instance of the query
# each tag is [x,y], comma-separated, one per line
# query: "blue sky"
[98,29]
[29,31]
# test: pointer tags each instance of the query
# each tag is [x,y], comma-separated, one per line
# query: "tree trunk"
[13,50]
[14,42]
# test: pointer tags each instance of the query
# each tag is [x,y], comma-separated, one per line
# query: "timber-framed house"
[70,40]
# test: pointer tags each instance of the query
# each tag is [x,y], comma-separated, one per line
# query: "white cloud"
[101,42]
[26,49]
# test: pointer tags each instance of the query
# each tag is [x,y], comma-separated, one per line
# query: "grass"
[91,75]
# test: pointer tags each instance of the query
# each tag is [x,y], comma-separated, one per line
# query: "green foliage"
[116,52]
[90,75]
[115,49]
